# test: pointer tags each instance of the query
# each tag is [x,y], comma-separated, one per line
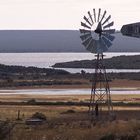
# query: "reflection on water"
[66,91]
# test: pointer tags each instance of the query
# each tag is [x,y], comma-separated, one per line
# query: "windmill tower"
[96,37]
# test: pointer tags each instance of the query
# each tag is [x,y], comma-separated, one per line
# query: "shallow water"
[65,91]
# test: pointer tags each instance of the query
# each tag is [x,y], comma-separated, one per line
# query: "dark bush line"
[33,102]
[38,83]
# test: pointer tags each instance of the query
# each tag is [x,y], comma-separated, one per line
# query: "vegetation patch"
[39,115]
[70,111]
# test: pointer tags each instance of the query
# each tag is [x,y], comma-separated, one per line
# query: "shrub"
[32,102]
[39,115]
[68,112]
[108,137]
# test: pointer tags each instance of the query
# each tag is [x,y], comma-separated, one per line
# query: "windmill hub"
[96,31]
[95,35]
[99,29]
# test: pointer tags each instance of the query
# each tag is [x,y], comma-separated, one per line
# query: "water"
[46,60]
[78,70]
[65,91]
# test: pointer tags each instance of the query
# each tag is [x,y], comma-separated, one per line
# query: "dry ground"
[62,125]
[65,98]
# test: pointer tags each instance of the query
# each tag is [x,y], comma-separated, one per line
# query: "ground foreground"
[65,122]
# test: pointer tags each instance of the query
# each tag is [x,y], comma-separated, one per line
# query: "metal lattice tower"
[100,91]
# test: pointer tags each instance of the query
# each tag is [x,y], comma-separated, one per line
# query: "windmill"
[96,35]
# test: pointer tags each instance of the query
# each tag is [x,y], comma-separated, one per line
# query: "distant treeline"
[9,70]
[19,76]
[119,62]
[15,76]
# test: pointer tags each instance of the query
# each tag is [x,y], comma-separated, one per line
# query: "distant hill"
[119,62]
[56,41]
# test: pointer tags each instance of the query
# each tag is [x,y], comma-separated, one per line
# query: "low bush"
[39,115]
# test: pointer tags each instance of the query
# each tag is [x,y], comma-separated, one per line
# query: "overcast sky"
[63,14]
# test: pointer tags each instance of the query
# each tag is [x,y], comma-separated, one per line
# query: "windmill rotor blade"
[94,15]
[103,16]
[109,37]
[110,31]
[90,17]
[85,18]
[106,20]
[89,45]
[85,36]
[102,45]
[86,42]
[94,49]
[84,25]
[107,42]
[99,14]
[83,31]
[92,46]
[109,25]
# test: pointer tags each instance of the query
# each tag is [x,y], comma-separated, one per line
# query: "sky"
[63,14]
